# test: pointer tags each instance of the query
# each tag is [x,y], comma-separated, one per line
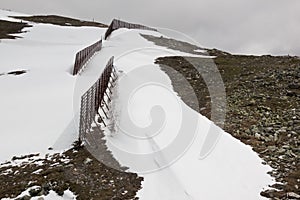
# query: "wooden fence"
[84,55]
[96,98]
[116,24]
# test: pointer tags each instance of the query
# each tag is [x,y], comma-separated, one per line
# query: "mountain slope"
[41,107]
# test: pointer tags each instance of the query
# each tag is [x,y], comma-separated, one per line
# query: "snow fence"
[84,55]
[96,98]
[116,24]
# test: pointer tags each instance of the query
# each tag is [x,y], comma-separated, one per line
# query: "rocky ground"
[7,28]
[77,169]
[263,106]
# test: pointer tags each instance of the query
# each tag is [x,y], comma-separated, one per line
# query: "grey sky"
[237,26]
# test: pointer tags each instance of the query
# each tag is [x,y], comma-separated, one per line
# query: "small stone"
[252,102]
[69,165]
[282,150]
[272,148]
[294,86]
[87,161]
[35,192]
[257,136]
[268,193]
[293,195]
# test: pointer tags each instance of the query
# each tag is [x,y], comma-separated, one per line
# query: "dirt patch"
[17,73]
[7,28]
[182,46]
[59,20]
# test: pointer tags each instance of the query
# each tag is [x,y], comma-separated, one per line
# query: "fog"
[237,26]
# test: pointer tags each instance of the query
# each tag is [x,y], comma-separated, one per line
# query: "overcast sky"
[236,26]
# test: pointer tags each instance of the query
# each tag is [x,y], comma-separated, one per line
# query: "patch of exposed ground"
[7,28]
[15,73]
[263,106]
[76,169]
[59,20]
[182,46]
